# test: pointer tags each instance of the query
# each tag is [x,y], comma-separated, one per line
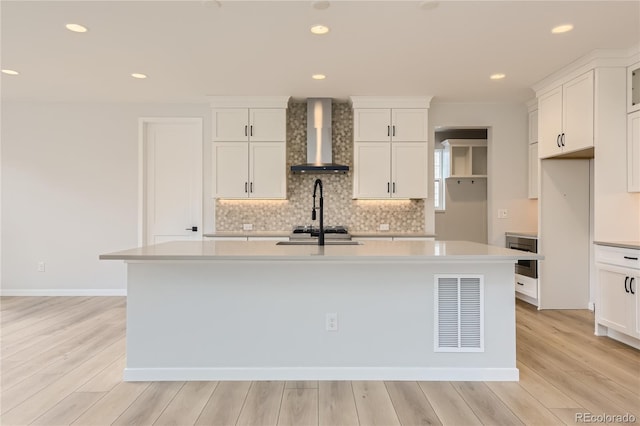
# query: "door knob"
[192,229]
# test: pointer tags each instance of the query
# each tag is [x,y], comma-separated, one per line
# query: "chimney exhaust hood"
[319,156]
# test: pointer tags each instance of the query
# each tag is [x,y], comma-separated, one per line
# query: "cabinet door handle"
[394,187]
[251,130]
[519,283]
[246,190]
[626,290]
[245,130]
[631,258]
[558,141]
[251,187]
[631,285]
[388,187]
[393,133]
[388,130]
[192,229]
[562,139]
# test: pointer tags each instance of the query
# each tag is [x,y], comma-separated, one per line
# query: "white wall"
[507,162]
[69,186]
[69,192]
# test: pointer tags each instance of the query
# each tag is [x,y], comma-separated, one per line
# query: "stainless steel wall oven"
[528,268]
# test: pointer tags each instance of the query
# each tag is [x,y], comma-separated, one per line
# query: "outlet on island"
[247,227]
[332,321]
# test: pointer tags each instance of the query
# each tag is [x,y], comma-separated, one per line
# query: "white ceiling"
[191,49]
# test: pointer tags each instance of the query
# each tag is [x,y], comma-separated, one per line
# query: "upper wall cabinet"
[387,124]
[533,151]
[565,117]
[633,152]
[249,124]
[390,147]
[633,88]
[249,147]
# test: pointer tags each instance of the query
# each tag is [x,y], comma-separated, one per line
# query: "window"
[440,173]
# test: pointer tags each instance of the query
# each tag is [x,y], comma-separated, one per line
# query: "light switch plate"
[247,226]
[383,227]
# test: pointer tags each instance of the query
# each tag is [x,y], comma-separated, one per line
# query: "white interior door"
[172,179]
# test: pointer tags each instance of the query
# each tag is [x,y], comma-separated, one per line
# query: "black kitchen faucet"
[318,183]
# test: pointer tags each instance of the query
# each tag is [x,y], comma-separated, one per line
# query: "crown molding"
[248,101]
[599,58]
[390,101]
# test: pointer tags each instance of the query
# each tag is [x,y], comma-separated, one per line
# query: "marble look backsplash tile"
[340,208]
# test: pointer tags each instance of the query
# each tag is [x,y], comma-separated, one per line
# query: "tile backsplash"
[339,207]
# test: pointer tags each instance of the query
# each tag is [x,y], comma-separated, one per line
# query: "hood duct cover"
[319,144]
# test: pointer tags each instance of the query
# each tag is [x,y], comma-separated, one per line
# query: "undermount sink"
[315,243]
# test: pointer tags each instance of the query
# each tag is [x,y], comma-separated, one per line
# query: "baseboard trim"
[321,373]
[64,292]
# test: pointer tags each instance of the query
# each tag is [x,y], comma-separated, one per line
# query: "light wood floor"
[62,361]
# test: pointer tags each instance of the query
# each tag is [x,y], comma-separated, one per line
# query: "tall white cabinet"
[390,147]
[534,161]
[582,195]
[249,147]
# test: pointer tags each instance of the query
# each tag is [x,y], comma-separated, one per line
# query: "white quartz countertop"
[374,251]
[622,244]
[526,234]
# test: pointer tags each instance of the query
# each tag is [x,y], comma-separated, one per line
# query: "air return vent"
[459,313]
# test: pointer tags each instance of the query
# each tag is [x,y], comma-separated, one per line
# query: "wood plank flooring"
[62,360]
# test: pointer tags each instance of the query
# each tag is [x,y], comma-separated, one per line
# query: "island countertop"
[419,251]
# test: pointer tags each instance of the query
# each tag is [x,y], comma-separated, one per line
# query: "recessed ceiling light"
[562,28]
[318,76]
[319,29]
[10,72]
[497,76]
[429,4]
[320,4]
[138,75]
[76,28]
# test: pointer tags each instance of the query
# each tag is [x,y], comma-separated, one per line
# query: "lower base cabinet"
[618,298]
[618,280]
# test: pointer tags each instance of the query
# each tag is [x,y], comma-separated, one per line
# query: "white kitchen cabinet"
[533,151]
[618,277]
[566,117]
[633,152]
[390,124]
[533,126]
[617,307]
[249,124]
[390,170]
[633,87]
[534,164]
[249,147]
[467,157]
[249,170]
[408,170]
[390,147]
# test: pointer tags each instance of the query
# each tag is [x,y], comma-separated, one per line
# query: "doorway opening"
[460,184]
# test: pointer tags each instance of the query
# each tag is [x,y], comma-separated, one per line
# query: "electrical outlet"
[383,227]
[41,266]
[502,213]
[247,227]
[332,321]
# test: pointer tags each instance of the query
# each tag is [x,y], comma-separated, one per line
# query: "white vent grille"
[459,313]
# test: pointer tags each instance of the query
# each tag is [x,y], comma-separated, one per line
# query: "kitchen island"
[382,310]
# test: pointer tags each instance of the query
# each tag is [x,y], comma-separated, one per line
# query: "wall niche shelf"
[467,158]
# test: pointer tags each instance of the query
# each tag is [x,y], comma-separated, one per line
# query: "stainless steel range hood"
[319,155]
